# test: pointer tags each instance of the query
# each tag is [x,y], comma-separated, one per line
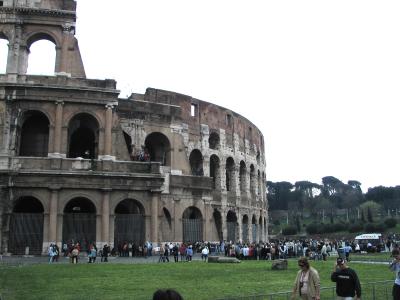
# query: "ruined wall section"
[69,5]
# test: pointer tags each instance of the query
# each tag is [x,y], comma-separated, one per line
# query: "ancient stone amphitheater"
[80,164]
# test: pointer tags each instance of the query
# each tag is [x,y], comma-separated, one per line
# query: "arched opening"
[42,56]
[166,226]
[215,172]
[79,223]
[129,226]
[230,174]
[196,163]
[128,143]
[259,183]
[245,228]
[213,141]
[34,135]
[218,224]
[192,221]
[252,180]
[258,156]
[3,54]
[26,227]
[254,228]
[242,177]
[83,136]
[261,229]
[231,224]
[159,148]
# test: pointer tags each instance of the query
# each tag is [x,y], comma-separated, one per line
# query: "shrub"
[277,222]
[390,223]
[289,230]
[313,228]
[356,227]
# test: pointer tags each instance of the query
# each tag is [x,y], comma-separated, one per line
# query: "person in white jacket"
[204,253]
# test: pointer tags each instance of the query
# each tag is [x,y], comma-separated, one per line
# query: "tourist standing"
[395,267]
[347,282]
[307,283]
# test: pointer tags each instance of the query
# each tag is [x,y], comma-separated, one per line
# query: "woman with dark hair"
[168,294]
[307,283]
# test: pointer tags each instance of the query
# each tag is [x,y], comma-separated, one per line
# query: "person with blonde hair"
[307,284]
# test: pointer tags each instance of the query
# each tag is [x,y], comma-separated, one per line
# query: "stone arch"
[218,223]
[83,136]
[215,172]
[192,223]
[41,53]
[258,156]
[4,44]
[129,222]
[261,228]
[128,143]
[245,228]
[34,134]
[231,224]
[252,180]
[166,225]
[259,183]
[196,162]
[34,37]
[79,222]
[242,177]
[230,174]
[213,141]
[159,148]
[26,226]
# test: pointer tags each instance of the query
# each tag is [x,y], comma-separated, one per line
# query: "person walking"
[395,267]
[347,282]
[307,284]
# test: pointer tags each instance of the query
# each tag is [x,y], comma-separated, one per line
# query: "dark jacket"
[347,283]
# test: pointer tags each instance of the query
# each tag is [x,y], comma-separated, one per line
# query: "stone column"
[53,216]
[240,226]
[58,131]
[178,234]
[108,133]
[250,230]
[224,226]
[105,217]
[154,216]
[63,69]
[13,51]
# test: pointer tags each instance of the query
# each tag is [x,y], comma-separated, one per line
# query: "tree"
[370,208]
[279,194]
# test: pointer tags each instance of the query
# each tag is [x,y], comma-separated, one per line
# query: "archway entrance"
[26,227]
[34,135]
[192,221]
[218,224]
[231,224]
[159,148]
[129,223]
[79,223]
[83,133]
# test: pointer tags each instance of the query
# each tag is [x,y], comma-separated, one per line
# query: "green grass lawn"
[195,280]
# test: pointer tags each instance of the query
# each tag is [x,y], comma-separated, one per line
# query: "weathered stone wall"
[191,178]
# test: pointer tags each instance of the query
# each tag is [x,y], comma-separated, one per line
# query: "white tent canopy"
[369,236]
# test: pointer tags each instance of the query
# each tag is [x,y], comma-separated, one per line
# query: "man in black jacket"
[347,282]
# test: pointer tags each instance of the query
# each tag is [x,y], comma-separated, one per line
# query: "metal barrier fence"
[378,290]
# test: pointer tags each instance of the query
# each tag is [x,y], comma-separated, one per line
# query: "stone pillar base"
[56,155]
[107,157]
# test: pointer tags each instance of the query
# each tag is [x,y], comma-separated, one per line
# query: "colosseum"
[78,163]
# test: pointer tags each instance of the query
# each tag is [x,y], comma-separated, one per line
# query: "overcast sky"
[320,79]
